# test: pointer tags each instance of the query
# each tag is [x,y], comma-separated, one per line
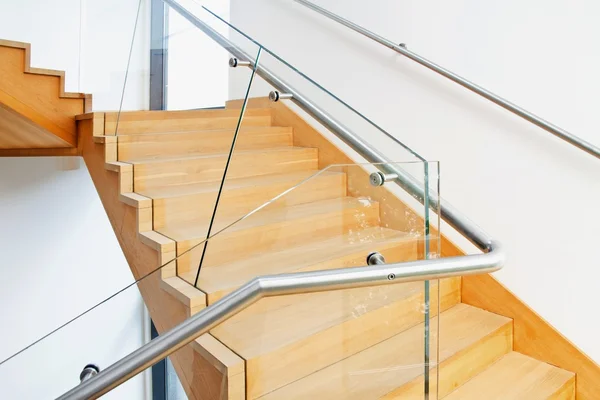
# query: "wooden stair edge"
[191,297]
[41,152]
[230,365]
[14,44]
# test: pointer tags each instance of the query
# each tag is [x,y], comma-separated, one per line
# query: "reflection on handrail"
[304,282]
[515,109]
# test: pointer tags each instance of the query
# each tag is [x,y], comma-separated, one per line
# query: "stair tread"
[275,322]
[185,157]
[191,230]
[516,376]
[235,183]
[379,369]
[221,279]
[172,144]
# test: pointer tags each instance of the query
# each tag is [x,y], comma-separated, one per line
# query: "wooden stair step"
[141,122]
[168,172]
[470,339]
[349,250]
[518,377]
[286,338]
[186,207]
[272,230]
[169,144]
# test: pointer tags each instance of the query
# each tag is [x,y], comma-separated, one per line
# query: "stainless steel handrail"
[515,109]
[276,285]
[305,282]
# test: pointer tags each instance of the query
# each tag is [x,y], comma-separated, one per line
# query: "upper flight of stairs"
[35,111]
[158,179]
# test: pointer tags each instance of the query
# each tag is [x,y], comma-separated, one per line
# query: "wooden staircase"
[36,114]
[158,180]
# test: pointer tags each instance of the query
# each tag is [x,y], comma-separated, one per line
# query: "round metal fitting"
[377,179]
[391,277]
[375,258]
[233,62]
[274,95]
[88,371]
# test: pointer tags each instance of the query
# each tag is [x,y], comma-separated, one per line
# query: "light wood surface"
[340,251]
[225,361]
[534,336]
[518,377]
[194,204]
[394,213]
[199,378]
[286,342]
[286,338]
[47,113]
[164,145]
[207,168]
[50,152]
[190,296]
[470,340]
[20,132]
[140,122]
[279,229]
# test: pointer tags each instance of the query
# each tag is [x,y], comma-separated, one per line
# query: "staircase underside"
[157,179]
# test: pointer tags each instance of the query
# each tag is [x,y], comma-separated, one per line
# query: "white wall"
[532,191]
[60,257]
[107,35]
[198,73]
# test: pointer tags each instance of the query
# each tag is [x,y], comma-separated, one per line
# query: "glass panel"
[276,76]
[349,343]
[358,343]
[241,195]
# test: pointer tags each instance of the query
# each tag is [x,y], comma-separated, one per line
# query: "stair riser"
[393,252]
[210,169]
[238,202]
[462,366]
[368,327]
[232,246]
[166,145]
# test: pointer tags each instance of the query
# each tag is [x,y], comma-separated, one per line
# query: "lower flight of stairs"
[163,171]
